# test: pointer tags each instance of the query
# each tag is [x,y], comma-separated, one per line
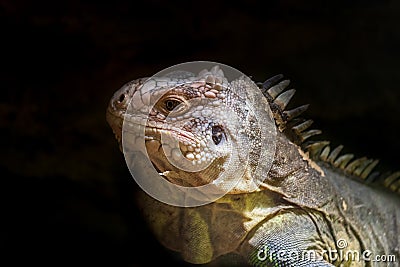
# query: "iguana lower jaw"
[160,156]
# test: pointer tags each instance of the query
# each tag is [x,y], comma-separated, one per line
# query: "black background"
[66,194]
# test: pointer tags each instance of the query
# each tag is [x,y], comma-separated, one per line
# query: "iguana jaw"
[115,118]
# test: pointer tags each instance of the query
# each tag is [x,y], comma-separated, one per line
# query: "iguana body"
[311,199]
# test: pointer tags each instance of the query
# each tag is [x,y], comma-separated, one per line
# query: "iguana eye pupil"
[217,134]
[121,98]
[171,104]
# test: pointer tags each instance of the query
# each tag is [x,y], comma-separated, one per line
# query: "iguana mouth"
[180,135]
[188,143]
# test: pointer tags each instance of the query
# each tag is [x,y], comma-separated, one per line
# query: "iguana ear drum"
[217,134]
[210,128]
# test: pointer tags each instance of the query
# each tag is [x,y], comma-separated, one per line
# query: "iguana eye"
[170,104]
[217,134]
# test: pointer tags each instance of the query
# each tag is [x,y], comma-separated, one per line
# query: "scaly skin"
[301,205]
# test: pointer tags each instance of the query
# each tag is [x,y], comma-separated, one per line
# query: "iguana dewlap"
[312,201]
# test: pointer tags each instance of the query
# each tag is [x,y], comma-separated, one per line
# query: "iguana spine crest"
[297,130]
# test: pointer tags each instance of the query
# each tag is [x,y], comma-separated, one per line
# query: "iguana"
[313,207]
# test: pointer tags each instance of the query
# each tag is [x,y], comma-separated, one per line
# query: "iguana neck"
[291,184]
[296,177]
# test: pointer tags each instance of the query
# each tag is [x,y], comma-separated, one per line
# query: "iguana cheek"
[154,150]
[152,147]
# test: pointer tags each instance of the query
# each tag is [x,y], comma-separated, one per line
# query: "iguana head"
[196,127]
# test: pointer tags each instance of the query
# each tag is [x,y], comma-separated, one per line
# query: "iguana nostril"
[121,98]
[217,134]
